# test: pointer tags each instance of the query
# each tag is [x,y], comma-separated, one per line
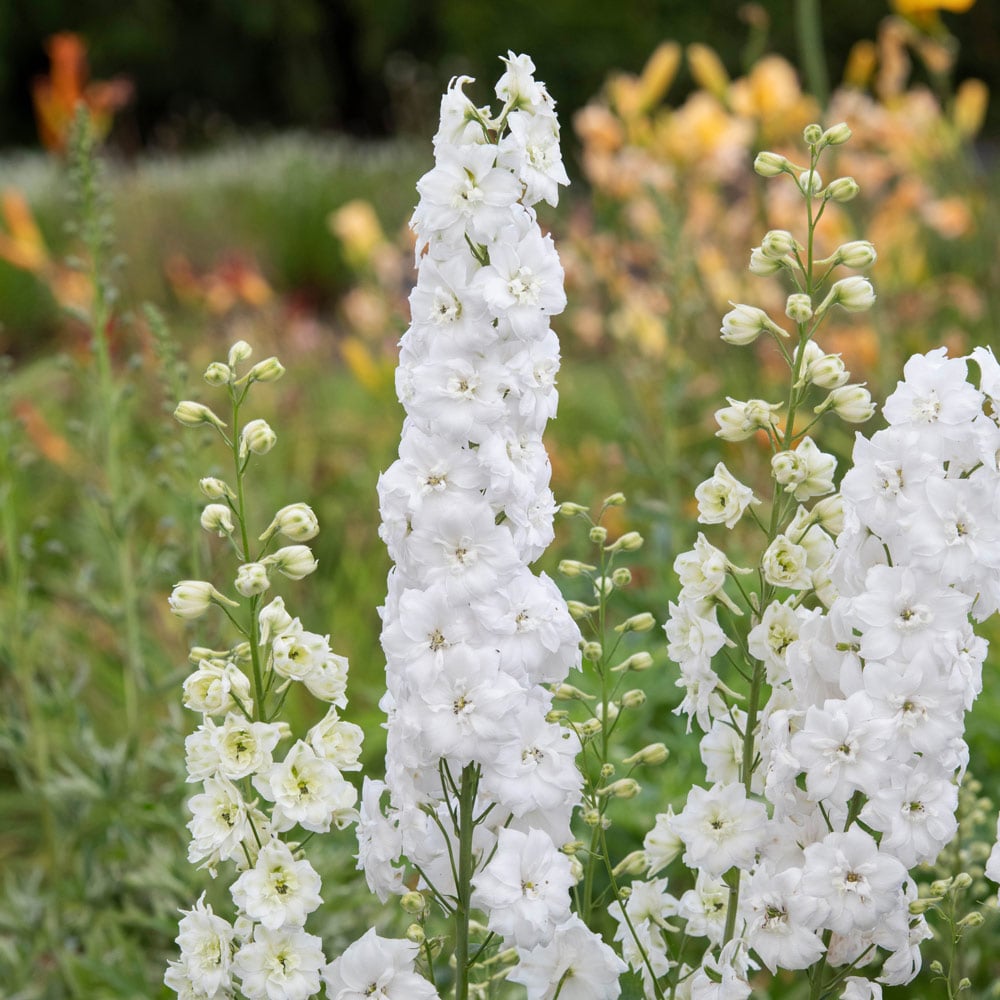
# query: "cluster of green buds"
[610,660]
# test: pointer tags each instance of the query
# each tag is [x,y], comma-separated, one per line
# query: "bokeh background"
[252,179]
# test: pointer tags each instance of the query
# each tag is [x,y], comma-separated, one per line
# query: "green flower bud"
[961,881]
[573,567]
[598,534]
[257,437]
[578,610]
[268,370]
[633,698]
[771,164]
[622,576]
[293,561]
[296,522]
[251,579]
[842,189]
[568,509]
[654,753]
[852,403]
[856,253]
[590,727]
[798,307]
[810,182]
[218,517]
[778,243]
[631,541]
[415,933]
[974,919]
[641,622]
[623,788]
[239,352]
[615,500]
[192,414]
[836,135]
[593,651]
[632,864]
[812,134]
[566,692]
[215,489]
[413,902]
[190,599]
[764,266]
[218,374]
[607,770]
[637,661]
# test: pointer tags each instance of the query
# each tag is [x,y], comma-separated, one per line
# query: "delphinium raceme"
[264,790]
[481,782]
[831,674]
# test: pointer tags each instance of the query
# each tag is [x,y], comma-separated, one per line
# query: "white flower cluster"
[248,798]
[470,634]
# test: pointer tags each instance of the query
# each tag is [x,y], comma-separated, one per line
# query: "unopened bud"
[743,324]
[603,585]
[653,754]
[637,661]
[568,509]
[251,579]
[413,902]
[573,567]
[215,489]
[607,769]
[566,692]
[842,189]
[623,788]
[810,182]
[415,933]
[268,370]
[578,610]
[593,651]
[633,698]
[641,622]
[965,983]
[239,352]
[218,374]
[812,134]
[798,307]
[570,848]
[852,403]
[631,541]
[591,817]
[771,164]
[856,253]
[555,716]
[293,561]
[919,906]
[192,414]
[615,500]
[296,522]
[598,534]
[257,437]
[961,881]
[622,576]
[836,135]
[937,968]
[764,266]
[218,517]
[589,727]
[634,863]
[192,598]
[778,243]
[974,919]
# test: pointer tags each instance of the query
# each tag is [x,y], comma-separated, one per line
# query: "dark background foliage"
[375,67]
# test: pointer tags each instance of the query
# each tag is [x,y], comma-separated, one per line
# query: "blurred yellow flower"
[909,8]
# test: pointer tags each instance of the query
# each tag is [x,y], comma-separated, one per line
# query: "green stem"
[466,867]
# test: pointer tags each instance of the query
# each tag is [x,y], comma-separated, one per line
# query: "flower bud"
[589,727]
[812,134]
[778,243]
[218,374]
[573,568]
[615,500]
[771,164]
[622,576]
[217,517]
[641,622]
[918,906]
[215,489]
[296,522]
[192,414]
[810,182]
[856,253]
[413,902]
[855,294]
[654,753]
[251,579]
[578,610]
[603,585]
[268,370]
[568,509]
[566,692]
[634,863]
[556,716]
[623,788]
[633,698]
[764,266]
[591,817]
[415,933]
[593,651]
[293,561]
[257,437]
[974,919]
[798,307]
[571,847]
[637,661]
[607,769]
[852,403]
[190,599]
[631,541]
[828,513]
[827,372]
[836,135]
[239,352]
[936,967]
[743,324]
[842,189]
[598,534]
[961,881]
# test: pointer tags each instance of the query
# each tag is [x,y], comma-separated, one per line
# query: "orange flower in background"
[57,96]
[235,280]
